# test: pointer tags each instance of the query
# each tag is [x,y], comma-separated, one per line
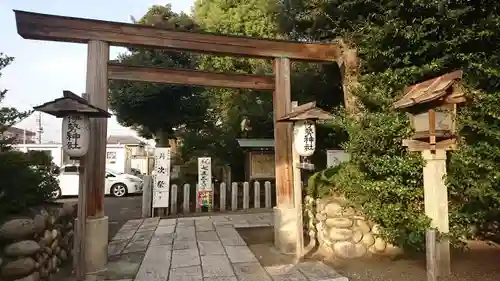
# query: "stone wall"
[35,246]
[342,231]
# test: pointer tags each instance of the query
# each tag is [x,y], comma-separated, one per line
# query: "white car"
[117,184]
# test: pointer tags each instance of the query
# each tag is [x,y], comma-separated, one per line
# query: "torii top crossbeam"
[78,30]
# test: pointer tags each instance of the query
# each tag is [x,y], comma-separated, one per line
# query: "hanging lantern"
[305,137]
[75,134]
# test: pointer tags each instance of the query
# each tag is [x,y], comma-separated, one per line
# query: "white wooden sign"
[160,199]
[205,173]
[336,156]
[161,177]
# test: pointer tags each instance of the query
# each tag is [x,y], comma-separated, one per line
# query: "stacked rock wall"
[36,246]
[342,231]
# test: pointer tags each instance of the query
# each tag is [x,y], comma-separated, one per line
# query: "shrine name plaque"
[262,165]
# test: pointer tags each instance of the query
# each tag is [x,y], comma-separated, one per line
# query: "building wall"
[115,157]
[20,137]
[55,150]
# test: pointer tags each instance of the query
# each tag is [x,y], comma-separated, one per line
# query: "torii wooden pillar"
[99,35]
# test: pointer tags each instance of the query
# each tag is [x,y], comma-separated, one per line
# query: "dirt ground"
[481,262]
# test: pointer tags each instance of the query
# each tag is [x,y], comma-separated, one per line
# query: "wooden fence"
[237,196]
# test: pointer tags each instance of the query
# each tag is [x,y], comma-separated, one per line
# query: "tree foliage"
[26,179]
[401,43]
[157,110]
[242,113]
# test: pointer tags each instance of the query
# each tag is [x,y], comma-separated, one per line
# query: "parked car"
[116,183]
[136,172]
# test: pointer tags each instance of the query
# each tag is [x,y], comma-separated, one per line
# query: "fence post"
[173,200]
[246,195]
[267,186]
[147,197]
[222,202]
[430,241]
[256,195]
[234,196]
[185,197]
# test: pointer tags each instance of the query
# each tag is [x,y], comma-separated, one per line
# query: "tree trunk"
[350,70]
[162,138]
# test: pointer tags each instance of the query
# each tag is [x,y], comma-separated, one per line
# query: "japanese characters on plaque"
[161,177]
[204,173]
[75,131]
[204,191]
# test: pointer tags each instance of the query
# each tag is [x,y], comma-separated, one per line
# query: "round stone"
[35,276]
[22,248]
[357,236]
[376,229]
[379,244]
[340,234]
[17,228]
[368,239]
[69,208]
[320,206]
[17,268]
[333,209]
[348,212]
[320,216]
[349,250]
[40,223]
[339,222]
[363,226]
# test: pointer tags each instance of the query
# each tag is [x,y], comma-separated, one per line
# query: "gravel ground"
[481,262]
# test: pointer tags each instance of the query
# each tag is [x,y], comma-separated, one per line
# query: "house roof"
[123,140]
[256,143]
[429,90]
[15,130]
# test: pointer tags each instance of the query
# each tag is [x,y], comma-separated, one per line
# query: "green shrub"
[26,179]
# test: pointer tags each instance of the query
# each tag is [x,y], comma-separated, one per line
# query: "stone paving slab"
[199,249]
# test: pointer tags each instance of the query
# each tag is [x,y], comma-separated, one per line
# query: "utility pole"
[39,127]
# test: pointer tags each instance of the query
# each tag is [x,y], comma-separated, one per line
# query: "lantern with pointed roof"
[431,106]
[304,118]
[75,112]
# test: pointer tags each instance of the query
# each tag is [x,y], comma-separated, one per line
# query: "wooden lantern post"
[432,109]
[305,112]
[75,139]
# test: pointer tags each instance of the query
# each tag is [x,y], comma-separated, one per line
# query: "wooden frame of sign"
[99,35]
[416,145]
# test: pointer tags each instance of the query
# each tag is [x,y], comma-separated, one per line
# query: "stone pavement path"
[198,249]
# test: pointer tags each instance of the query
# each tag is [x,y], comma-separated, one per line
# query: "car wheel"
[119,190]
[56,194]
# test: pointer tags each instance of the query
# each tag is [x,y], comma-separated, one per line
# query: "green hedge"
[26,179]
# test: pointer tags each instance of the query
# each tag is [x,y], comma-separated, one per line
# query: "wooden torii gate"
[99,35]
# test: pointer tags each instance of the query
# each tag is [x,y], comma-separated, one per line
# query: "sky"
[42,70]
